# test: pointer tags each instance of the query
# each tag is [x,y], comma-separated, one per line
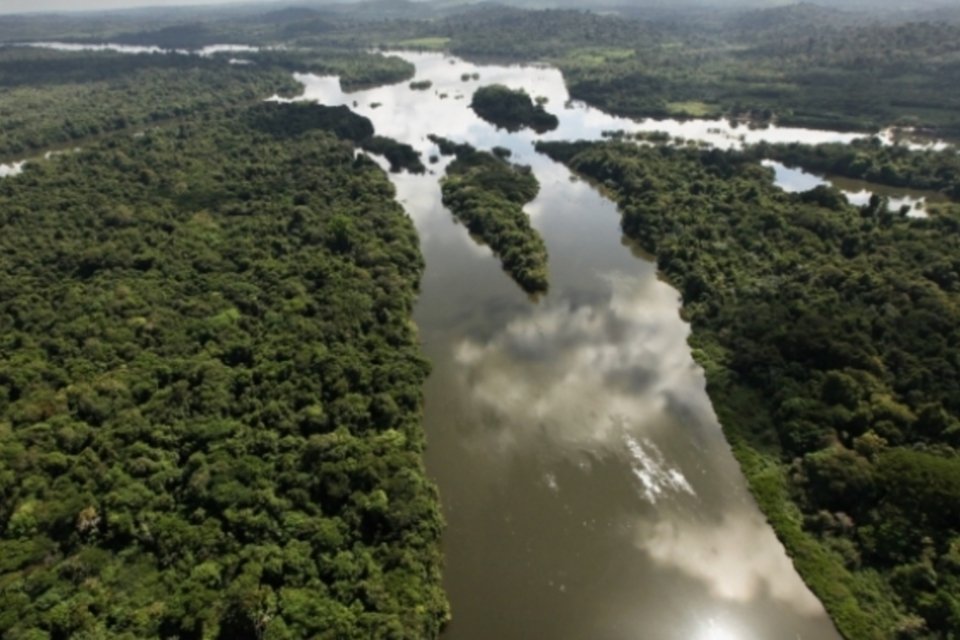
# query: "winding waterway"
[587,486]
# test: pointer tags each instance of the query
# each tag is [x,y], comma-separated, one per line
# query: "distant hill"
[290,14]
[804,14]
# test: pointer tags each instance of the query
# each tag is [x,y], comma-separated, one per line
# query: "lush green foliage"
[291,120]
[535,35]
[356,69]
[511,109]
[871,160]
[863,77]
[51,98]
[805,67]
[487,194]
[830,338]
[210,390]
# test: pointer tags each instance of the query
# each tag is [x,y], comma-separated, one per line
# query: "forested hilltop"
[829,336]
[210,387]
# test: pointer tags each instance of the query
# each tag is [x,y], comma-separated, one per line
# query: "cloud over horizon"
[34,6]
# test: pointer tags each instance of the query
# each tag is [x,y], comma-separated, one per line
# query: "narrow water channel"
[857,192]
[588,489]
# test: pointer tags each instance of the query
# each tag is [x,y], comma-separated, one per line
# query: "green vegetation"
[803,66]
[291,120]
[871,160]
[356,69]
[848,78]
[691,109]
[516,34]
[423,44]
[511,109]
[210,387]
[399,154]
[828,334]
[487,194]
[51,98]
[421,85]
[598,56]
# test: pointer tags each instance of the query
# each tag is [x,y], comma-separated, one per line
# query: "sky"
[27,6]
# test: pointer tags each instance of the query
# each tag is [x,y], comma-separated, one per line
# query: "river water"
[857,192]
[588,489]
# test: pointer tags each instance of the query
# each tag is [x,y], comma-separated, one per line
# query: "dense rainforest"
[487,193]
[805,67]
[210,387]
[802,64]
[830,336]
[874,161]
[52,98]
[512,109]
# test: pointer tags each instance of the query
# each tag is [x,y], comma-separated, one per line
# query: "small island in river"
[487,194]
[512,109]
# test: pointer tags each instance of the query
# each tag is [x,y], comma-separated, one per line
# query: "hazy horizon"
[38,6]
[41,6]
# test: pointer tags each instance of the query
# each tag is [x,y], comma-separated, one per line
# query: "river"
[588,489]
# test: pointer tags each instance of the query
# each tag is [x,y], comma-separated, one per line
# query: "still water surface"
[587,486]
[857,192]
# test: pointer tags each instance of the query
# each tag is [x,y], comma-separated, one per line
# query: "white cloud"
[739,558]
[30,6]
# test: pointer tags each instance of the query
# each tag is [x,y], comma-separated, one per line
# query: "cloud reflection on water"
[738,558]
[582,372]
[607,379]
[11,169]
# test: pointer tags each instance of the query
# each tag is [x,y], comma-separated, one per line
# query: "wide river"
[587,486]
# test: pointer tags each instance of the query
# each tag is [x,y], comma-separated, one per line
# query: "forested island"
[512,109]
[826,332]
[487,194]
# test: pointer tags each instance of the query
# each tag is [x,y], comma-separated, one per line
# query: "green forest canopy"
[487,193]
[210,387]
[511,109]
